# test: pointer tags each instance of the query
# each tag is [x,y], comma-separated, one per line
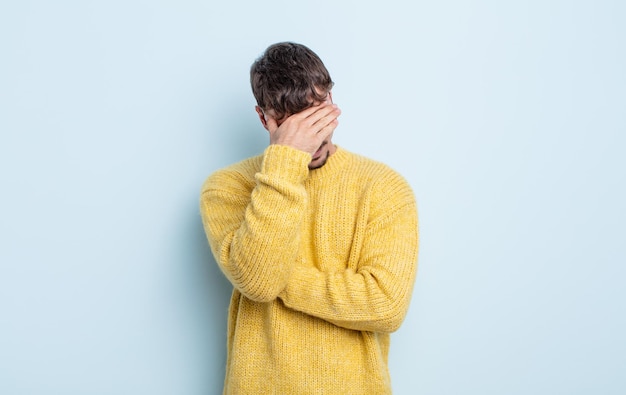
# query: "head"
[289,78]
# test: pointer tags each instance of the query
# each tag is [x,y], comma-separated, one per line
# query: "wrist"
[286,162]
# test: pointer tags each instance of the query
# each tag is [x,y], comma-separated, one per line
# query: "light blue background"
[507,118]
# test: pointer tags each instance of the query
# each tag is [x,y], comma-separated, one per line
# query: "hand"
[305,130]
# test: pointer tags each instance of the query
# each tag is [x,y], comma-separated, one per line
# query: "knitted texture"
[322,263]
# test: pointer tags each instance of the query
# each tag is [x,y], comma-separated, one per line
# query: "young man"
[320,244]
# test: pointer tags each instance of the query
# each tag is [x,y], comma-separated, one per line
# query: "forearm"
[375,296]
[256,239]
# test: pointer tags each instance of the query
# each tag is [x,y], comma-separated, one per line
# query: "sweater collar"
[333,165]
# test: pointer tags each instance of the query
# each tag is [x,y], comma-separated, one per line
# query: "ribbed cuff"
[286,162]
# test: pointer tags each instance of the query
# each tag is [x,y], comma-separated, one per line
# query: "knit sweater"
[322,263]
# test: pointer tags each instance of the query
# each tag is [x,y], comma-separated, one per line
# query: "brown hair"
[289,78]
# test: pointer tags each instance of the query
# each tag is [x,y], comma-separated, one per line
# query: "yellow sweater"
[322,263]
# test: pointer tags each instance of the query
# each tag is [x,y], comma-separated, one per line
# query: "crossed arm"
[255,238]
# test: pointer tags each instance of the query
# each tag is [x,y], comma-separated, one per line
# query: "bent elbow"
[394,323]
[259,295]
[261,290]
[391,318]
[259,283]
[390,322]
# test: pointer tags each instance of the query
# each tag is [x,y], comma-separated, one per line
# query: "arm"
[375,296]
[255,237]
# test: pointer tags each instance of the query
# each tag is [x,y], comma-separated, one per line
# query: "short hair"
[289,78]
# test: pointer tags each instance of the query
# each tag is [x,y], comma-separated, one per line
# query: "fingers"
[313,119]
[325,116]
[327,130]
[306,113]
[305,130]
[321,115]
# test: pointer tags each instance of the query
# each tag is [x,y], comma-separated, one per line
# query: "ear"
[262,117]
[330,95]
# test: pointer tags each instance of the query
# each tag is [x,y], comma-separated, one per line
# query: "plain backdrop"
[506,117]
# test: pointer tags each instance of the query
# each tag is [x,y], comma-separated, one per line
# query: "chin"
[321,161]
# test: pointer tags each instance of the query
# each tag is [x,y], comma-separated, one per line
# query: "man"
[320,244]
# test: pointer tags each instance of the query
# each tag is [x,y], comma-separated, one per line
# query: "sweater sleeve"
[255,237]
[376,295]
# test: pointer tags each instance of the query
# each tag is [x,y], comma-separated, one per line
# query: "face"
[326,149]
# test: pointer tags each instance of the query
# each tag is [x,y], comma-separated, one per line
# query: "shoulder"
[387,188]
[378,174]
[235,177]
